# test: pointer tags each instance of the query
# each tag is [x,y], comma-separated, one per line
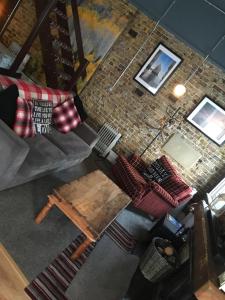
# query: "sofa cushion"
[65,116]
[13,151]
[43,156]
[87,134]
[42,116]
[70,144]
[156,172]
[8,105]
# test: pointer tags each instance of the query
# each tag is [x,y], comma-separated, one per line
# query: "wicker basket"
[153,265]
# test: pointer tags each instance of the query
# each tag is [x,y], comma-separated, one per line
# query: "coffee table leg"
[44,211]
[81,249]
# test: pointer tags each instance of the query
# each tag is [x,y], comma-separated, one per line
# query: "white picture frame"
[157,69]
[209,118]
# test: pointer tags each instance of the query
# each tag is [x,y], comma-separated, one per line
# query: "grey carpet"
[105,275]
[34,246]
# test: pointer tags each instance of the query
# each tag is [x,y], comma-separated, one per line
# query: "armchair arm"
[128,178]
[156,202]
[177,188]
[161,192]
[13,151]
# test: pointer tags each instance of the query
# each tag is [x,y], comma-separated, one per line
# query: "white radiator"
[108,139]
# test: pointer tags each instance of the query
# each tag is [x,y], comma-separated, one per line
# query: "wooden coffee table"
[92,202]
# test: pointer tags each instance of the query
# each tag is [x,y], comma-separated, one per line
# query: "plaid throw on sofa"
[30,91]
[23,125]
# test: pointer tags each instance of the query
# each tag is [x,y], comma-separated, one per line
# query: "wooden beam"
[35,31]
[8,10]
[65,39]
[46,47]
[77,28]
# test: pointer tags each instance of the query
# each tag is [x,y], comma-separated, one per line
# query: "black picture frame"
[209,118]
[152,79]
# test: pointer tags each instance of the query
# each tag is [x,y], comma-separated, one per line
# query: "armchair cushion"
[156,172]
[168,166]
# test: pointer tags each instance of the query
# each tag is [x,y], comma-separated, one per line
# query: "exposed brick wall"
[133,115]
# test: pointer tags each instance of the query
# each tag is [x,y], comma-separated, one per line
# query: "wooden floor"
[12,280]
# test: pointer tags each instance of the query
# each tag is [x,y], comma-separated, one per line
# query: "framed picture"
[209,118]
[157,69]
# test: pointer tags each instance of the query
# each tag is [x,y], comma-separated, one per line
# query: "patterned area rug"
[52,283]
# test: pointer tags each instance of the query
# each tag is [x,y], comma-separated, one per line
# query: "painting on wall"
[157,69]
[101,24]
[209,118]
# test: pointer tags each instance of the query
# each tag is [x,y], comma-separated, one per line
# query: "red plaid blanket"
[29,91]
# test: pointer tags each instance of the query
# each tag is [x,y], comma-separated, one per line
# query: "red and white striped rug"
[52,283]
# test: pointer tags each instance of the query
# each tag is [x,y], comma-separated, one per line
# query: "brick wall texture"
[134,116]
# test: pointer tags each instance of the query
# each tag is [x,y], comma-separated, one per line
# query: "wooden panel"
[96,198]
[12,280]
[204,275]
[209,292]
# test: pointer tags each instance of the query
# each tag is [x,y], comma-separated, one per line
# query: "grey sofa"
[22,160]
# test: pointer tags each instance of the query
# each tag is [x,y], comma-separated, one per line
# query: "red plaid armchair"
[152,198]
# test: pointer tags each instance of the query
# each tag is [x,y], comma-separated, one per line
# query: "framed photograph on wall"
[157,69]
[209,118]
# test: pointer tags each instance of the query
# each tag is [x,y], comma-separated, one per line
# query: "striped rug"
[52,283]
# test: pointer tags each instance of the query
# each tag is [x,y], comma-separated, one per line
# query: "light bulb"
[179,90]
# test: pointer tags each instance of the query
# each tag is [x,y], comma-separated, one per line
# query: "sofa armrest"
[13,151]
[86,133]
